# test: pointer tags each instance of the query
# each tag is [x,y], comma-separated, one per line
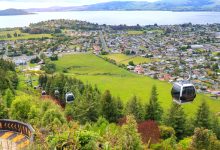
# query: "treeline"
[8,76]
[90,104]
[125,27]
[39,30]
[8,85]
[97,120]
[56,26]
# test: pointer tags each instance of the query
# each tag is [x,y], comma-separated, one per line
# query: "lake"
[116,17]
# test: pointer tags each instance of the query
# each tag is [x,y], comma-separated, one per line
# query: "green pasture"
[124,59]
[93,70]
[133,32]
[23,36]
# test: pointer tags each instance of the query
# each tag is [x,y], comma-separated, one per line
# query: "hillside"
[12,12]
[163,5]
[122,83]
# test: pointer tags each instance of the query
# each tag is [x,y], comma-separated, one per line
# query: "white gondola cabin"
[43,93]
[183,92]
[56,93]
[69,97]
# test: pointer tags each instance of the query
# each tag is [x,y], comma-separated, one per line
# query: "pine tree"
[8,98]
[120,107]
[204,139]
[3,112]
[129,138]
[109,109]
[203,116]
[135,108]
[153,110]
[176,119]
[215,126]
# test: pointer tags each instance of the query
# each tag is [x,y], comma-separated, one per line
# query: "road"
[104,46]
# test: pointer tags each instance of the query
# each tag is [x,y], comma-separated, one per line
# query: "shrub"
[204,139]
[54,57]
[20,108]
[65,70]
[166,132]
[53,116]
[35,60]
[185,144]
[149,132]
[129,138]
[3,112]
[104,53]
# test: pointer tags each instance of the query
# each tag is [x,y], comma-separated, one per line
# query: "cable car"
[56,93]
[69,97]
[43,93]
[183,92]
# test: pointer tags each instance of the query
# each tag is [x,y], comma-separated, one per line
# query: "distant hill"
[162,5]
[11,12]
[169,5]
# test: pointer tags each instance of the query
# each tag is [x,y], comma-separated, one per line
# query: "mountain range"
[162,5]
[10,12]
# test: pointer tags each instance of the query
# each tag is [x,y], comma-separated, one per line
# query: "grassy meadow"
[133,32]
[124,59]
[93,70]
[23,36]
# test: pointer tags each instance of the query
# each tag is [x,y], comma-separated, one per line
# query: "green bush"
[204,139]
[3,112]
[166,132]
[185,144]
[87,139]
[20,108]
[53,116]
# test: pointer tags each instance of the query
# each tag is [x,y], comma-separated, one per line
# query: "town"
[174,52]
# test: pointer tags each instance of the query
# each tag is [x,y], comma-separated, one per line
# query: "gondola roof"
[183,83]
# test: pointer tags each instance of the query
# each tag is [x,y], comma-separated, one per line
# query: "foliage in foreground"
[82,124]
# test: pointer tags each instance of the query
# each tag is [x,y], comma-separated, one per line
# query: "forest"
[98,120]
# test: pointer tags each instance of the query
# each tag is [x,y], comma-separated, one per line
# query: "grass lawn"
[125,84]
[156,31]
[3,35]
[131,32]
[124,59]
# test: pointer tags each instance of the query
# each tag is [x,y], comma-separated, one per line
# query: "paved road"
[13,141]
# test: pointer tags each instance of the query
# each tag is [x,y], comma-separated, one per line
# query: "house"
[167,77]
[139,69]
[20,62]
[130,67]
[196,46]
[97,50]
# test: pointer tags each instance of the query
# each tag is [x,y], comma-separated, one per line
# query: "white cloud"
[21,4]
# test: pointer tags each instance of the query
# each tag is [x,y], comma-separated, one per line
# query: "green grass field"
[89,68]
[131,32]
[24,36]
[134,32]
[124,59]
[156,31]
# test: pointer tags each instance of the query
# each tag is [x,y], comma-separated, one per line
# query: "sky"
[22,4]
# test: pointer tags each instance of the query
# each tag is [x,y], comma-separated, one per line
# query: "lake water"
[116,17]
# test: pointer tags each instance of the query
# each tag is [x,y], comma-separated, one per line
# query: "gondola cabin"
[69,97]
[56,93]
[183,92]
[43,93]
